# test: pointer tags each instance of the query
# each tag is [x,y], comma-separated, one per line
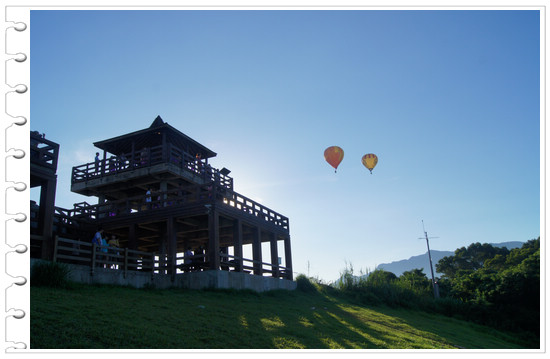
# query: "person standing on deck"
[97,237]
[97,240]
[96,160]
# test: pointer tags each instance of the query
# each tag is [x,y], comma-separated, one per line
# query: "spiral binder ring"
[14,280]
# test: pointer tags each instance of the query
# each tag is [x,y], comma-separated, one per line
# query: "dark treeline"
[481,283]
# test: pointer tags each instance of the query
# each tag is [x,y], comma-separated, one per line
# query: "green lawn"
[87,317]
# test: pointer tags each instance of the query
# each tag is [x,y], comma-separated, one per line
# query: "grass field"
[108,317]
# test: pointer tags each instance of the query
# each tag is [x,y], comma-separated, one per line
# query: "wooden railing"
[124,259]
[208,193]
[43,152]
[63,219]
[246,205]
[148,157]
[86,253]
[247,265]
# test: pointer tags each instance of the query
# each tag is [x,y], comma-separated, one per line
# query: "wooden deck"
[150,157]
[125,260]
[182,200]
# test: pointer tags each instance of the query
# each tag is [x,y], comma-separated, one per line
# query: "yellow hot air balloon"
[369,160]
[334,155]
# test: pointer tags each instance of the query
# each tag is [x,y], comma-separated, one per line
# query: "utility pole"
[434,284]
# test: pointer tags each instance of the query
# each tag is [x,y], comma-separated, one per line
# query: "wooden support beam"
[214,238]
[288,258]
[257,251]
[163,189]
[172,245]
[161,246]
[238,244]
[45,215]
[274,255]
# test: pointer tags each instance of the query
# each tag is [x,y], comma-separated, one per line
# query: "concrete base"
[217,279]
[234,280]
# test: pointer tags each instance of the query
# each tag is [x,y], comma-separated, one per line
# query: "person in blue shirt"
[96,162]
[99,241]
[98,236]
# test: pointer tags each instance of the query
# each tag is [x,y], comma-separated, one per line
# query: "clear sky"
[448,100]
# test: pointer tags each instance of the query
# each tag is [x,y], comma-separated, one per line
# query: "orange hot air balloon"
[369,160]
[334,155]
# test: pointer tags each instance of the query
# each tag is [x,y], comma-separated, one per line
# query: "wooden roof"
[151,137]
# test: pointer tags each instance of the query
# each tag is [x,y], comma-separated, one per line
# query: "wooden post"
[94,248]
[132,240]
[163,249]
[103,163]
[55,239]
[172,246]
[274,255]
[214,238]
[163,188]
[101,206]
[257,250]
[46,215]
[288,258]
[238,244]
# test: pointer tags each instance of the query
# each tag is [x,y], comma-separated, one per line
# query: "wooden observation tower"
[157,192]
[43,161]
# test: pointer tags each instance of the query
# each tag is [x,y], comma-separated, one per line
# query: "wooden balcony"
[44,153]
[182,200]
[136,170]
[148,157]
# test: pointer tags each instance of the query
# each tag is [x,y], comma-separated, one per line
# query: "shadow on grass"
[89,317]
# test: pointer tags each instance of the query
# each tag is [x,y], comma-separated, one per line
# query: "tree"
[415,279]
[380,276]
[504,284]
[468,259]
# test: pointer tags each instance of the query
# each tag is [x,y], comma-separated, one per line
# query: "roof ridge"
[157,122]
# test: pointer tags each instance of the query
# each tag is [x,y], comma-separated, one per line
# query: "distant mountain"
[423,261]
[509,245]
[416,262]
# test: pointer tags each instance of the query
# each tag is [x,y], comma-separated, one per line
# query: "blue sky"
[448,100]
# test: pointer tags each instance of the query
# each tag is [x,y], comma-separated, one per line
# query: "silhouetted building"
[157,192]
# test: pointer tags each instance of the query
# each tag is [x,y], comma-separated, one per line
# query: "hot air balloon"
[334,155]
[369,160]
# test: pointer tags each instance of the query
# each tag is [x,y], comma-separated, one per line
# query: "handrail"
[68,250]
[275,268]
[147,157]
[86,253]
[247,205]
[183,196]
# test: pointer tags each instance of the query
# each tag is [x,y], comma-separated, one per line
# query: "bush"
[50,274]
[305,285]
